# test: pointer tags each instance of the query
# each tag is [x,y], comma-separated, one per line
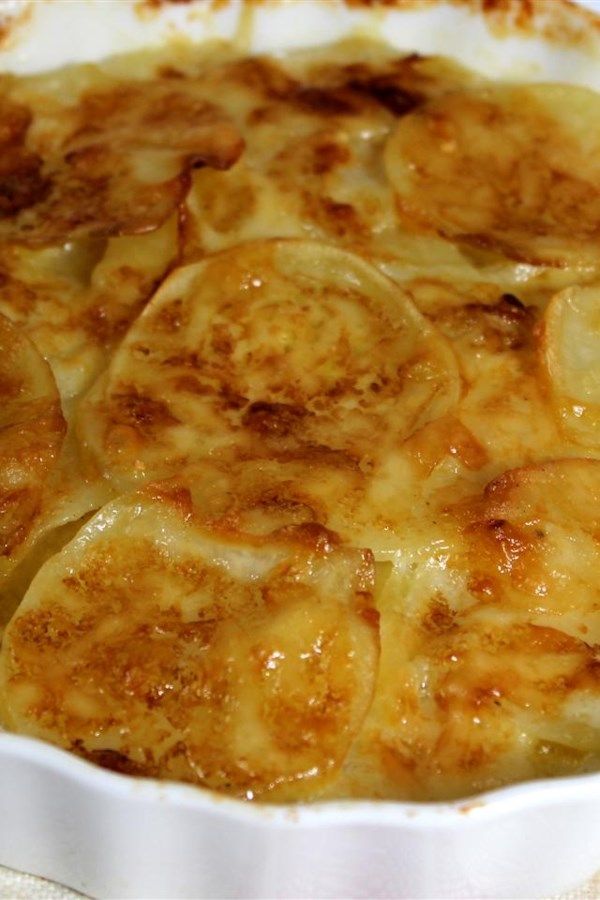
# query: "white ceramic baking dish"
[111,836]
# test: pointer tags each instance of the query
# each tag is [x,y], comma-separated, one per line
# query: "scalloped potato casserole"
[300,444]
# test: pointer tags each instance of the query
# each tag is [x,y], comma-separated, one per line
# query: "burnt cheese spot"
[147,413]
[22,181]
[386,91]
[274,419]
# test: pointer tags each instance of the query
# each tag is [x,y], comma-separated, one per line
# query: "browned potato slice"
[116,162]
[514,169]
[325,185]
[373,70]
[490,628]
[31,433]
[74,307]
[158,644]
[571,354]
[281,350]
[75,301]
[494,336]
[315,129]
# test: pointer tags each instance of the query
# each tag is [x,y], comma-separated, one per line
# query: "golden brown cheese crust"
[121,167]
[508,168]
[371,376]
[314,130]
[229,660]
[489,667]
[277,350]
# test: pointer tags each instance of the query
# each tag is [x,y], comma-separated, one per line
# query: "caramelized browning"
[489,647]
[122,167]
[314,127]
[369,400]
[276,350]
[21,180]
[505,325]
[505,168]
[237,662]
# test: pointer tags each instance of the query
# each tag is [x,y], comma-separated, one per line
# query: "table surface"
[16,886]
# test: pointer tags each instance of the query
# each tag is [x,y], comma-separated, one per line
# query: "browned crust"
[563,22]
[87,184]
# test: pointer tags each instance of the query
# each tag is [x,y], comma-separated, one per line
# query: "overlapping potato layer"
[314,341]
[510,168]
[117,161]
[165,645]
[570,349]
[489,635]
[276,350]
[32,429]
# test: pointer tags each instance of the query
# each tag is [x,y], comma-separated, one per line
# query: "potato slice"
[116,162]
[490,629]
[513,169]
[14,587]
[371,69]
[75,302]
[274,350]
[31,434]
[571,353]
[158,644]
[326,185]
[70,494]
[494,335]
[538,525]
[315,129]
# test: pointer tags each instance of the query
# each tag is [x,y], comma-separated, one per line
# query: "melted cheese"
[276,350]
[75,301]
[115,162]
[514,169]
[312,161]
[490,629]
[174,649]
[345,303]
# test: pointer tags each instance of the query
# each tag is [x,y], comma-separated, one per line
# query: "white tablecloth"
[15,886]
